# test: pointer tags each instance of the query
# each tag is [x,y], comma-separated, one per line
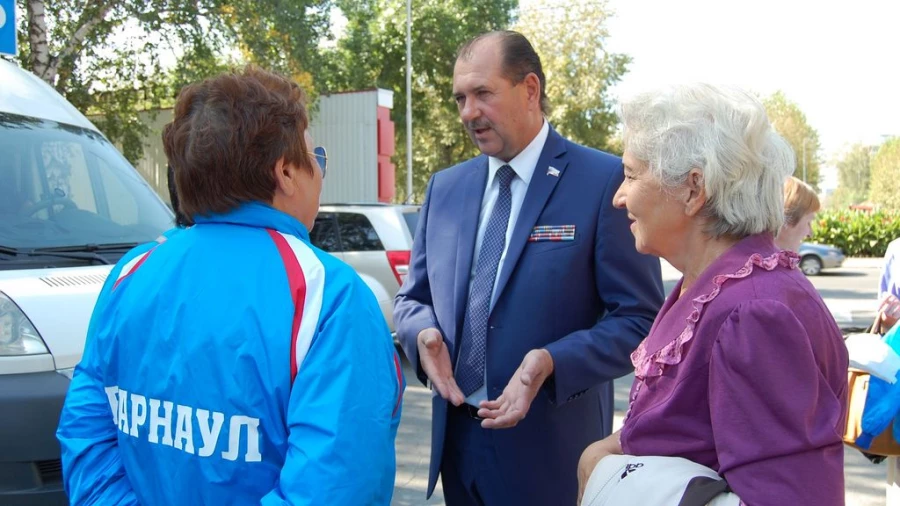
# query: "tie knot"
[505,175]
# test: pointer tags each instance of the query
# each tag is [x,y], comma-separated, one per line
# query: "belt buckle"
[472,411]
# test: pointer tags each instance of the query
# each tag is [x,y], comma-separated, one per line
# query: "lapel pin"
[553,171]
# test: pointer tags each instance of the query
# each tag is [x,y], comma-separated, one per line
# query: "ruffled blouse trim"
[652,365]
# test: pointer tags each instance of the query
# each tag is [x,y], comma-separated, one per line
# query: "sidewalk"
[854,312]
[851,313]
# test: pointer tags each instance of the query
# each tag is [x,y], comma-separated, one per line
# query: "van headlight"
[17,335]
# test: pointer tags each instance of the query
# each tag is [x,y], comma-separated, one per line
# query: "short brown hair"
[518,58]
[799,200]
[227,134]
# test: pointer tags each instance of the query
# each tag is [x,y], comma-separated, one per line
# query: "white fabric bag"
[626,480]
[868,352]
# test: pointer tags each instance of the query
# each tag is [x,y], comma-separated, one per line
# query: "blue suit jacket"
[589,302]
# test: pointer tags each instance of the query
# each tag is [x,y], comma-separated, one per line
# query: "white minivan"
[70,207]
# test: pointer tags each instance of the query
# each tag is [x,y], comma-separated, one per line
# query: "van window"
[117,195]
[65,186]
[66,165]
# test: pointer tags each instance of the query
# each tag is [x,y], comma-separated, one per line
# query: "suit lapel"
[539,190]
[471,194]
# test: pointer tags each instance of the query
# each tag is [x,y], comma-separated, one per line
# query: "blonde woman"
[800,207]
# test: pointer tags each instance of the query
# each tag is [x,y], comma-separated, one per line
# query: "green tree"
[372,52]
[578,68]
[790,122]
[853,176]
[105,56]
[885,186]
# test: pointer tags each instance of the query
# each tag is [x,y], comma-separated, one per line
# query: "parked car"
[815,257]
[374,239]
[70,206]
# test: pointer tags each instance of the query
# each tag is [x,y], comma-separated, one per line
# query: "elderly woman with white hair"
[744,370]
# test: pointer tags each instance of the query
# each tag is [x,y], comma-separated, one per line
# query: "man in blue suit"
[525,295]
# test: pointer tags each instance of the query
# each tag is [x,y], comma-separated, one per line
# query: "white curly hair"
[725,133]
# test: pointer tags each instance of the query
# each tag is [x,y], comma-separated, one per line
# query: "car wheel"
[810,265]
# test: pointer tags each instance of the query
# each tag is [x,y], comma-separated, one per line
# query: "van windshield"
[63,186]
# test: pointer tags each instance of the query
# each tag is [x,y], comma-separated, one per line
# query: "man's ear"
[284,178]
[696,193]
[533,88]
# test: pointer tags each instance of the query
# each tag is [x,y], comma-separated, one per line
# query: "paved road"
[849,292]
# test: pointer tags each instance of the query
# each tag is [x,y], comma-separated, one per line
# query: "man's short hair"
[227,134]
[518,58]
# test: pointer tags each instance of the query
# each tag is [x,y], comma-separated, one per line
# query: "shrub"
[857,233]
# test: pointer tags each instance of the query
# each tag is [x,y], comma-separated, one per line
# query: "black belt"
[469,410]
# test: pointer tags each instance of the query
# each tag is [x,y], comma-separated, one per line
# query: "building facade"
[354,127]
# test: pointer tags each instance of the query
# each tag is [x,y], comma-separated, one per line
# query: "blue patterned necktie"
[470,368]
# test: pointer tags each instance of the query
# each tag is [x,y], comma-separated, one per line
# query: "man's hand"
[890,311]
[513,404]
[592,455]
[435,361]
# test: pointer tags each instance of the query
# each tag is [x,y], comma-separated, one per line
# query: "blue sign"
[8,27]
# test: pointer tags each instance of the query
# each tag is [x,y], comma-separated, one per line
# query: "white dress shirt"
[523,165]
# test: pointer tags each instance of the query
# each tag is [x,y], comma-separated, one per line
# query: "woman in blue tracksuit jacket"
[234,362]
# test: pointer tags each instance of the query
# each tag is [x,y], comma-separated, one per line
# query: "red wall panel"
[386,169]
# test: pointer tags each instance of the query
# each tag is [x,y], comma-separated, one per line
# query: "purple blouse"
[746,373]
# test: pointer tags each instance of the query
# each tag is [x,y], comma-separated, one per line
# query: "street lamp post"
[409,154]
[804,159]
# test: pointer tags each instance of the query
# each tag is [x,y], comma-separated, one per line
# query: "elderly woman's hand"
[592,455]
[890,311]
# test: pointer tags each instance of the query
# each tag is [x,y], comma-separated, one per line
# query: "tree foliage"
[857,233]
[106,57]
[885,186]
[373,53]
[115,58]
[790,122]
[578,68]
[853,176]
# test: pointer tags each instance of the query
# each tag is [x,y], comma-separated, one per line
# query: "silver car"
[374,239]
[815,257]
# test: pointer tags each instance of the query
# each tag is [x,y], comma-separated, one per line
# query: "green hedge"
[857,233]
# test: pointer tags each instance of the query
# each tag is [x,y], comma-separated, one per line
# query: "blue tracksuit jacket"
[233,363]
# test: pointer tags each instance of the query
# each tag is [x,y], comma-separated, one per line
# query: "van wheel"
[810,265]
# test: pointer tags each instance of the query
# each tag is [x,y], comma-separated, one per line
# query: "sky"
[838,61]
